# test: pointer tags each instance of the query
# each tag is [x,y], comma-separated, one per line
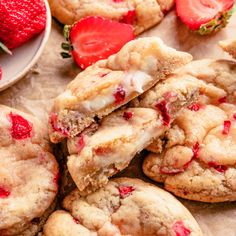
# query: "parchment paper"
[35,93]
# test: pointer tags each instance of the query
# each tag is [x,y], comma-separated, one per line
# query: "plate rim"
[38,53]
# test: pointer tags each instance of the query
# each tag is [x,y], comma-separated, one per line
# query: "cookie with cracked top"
[141,14]
[28,174]
[123,207]
[195,159]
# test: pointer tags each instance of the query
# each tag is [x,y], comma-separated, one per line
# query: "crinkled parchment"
[35,93]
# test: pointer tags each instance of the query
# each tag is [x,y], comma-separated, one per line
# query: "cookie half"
[196,157]
[28,173]
[123,207]
[141,14]
[104,150]
[111,83]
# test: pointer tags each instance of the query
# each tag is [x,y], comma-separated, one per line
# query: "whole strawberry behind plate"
[15,66]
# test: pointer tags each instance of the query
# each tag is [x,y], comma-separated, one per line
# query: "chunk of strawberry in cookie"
[21,128]
[125,190]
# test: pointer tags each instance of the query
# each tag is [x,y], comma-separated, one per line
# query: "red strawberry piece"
[234,116]
[101,151]
[180,229]
[0,72]
[21,21]
[222,100]
[129,17]
[125,191]
[76,221]
[195,150]
[21,128]
[219,168]
[103,74]
[80,144]
[194,107]
[119,95]
[118,0]
[94,38]
[162,107]
[53,121]
[128,115]
[204,16]
[56,178]
[4,193]
[227,125]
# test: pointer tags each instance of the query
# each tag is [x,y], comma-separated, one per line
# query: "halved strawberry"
[21,20]
[204,16]
[94,38]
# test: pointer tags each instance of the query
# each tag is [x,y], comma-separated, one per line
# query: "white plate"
[16,66]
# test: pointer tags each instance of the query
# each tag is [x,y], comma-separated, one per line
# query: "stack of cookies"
[109,113]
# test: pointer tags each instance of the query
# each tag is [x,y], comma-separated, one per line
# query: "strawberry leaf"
[216,24]
[66,46]
[66,32]
[5,49]
[65,55]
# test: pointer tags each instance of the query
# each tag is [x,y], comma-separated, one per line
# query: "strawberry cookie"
[123,207]
[141,14]
[196,157]
[28,174]
[103,150]
[229,46]
[111,83]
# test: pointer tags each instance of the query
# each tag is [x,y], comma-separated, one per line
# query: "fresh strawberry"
[0,72]
[20,21]
[94,38]
[204,16]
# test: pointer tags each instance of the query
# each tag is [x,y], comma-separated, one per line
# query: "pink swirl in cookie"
[180,229]
[129,17]
[119,95]
[4,193]
[21,128]
[162,107]
[125,191]
[226,128]
[80,144]
[127,115]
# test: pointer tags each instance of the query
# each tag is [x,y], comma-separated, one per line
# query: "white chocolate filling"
[134,81]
